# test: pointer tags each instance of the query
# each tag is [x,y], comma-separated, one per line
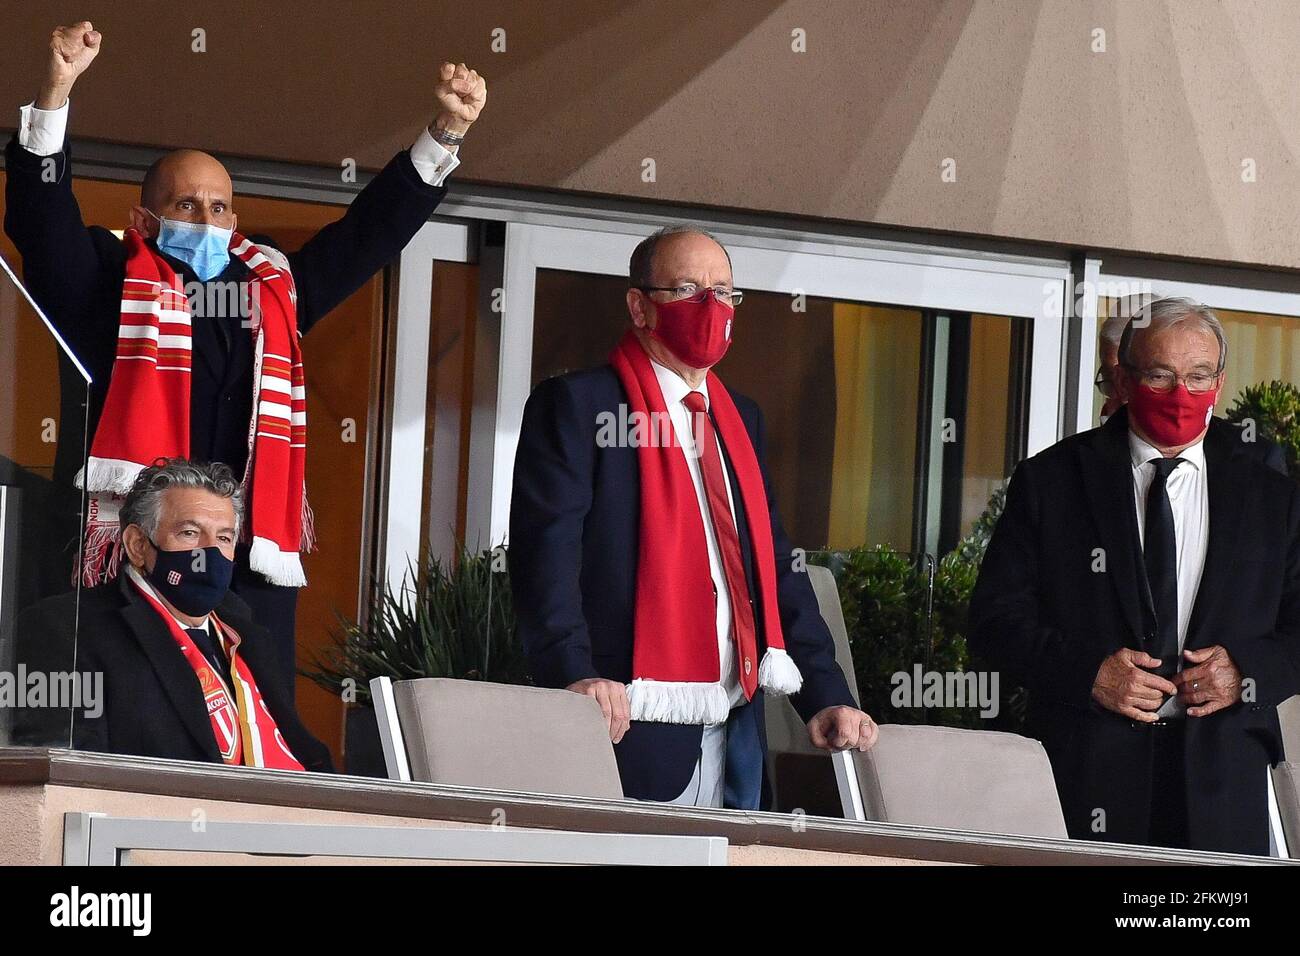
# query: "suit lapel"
[1108,480]
[1227,493]
[177,677]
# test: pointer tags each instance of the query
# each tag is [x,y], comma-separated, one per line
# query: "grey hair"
[640,267]
[1125,307]
[1112,330]
[143,505]
[1170,311]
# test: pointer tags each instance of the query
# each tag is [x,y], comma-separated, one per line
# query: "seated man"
[187,673]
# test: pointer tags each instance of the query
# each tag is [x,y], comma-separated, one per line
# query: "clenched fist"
[72,49]
[461,93]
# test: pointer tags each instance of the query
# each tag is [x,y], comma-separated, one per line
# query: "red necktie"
[724,529]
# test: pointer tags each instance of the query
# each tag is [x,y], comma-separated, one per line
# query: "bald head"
[672,248]
[189,185]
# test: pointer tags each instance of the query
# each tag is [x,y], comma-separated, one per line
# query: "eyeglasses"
[691,292]
[1163,380]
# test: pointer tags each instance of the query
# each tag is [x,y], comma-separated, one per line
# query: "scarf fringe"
[678,702]
[100,558]
[308,524]
[278,567]
[778,674]
[108,474]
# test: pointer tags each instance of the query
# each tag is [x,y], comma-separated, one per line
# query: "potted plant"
[1273,409]
[900,611]
[448,619]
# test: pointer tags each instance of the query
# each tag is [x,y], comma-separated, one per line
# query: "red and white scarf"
[676,669]
[244,730]
[146,413]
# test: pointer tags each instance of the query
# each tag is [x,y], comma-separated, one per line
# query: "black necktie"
[207,646]
[1160,554]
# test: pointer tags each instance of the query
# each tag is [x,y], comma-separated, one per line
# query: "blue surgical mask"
[202,247]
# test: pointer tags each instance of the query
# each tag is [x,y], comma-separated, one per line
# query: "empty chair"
[953,779]
[495,736]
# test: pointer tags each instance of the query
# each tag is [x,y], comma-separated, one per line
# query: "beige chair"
[1286,789]
[1288,715]
[953,779]
[1284,784]
[495,737]
[924,776]
[801,776]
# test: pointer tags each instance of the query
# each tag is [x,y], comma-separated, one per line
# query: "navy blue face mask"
[193,580]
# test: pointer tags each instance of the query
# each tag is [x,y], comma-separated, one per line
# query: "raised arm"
[379,223]
[61,262]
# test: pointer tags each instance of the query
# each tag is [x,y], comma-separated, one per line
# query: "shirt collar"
[674,387]
[1142,452]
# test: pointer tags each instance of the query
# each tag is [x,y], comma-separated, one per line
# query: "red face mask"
[1171,418]
[698,333]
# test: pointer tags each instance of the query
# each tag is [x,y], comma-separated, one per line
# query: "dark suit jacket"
[152,705]
[574,526]
[1044,617]
[75,274]
[1268,453]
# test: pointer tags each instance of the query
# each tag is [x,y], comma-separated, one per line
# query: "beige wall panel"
[1138,148]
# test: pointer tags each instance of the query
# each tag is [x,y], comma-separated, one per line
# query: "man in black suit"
[188,673]
[673,644]
[76,273]
[1144,584]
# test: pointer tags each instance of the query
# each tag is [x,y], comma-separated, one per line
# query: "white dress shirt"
[42,132]
[1189,501]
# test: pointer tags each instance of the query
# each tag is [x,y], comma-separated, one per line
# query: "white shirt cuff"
[433,161]
[42,131]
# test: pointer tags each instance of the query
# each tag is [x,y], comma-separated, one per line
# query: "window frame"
[887,273]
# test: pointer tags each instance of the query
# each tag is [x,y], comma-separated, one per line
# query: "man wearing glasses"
[1112,331]
[649,565]
[1144,585]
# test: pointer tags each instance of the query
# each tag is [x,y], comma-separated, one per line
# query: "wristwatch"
[447,138]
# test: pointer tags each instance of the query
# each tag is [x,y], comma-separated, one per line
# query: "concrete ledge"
[35,783]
